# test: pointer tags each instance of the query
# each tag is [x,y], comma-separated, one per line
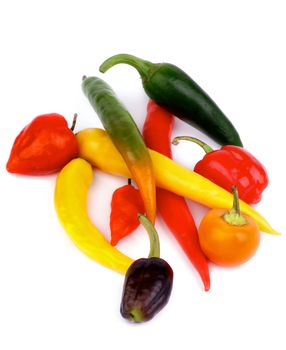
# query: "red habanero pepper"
[44,146]
[126,204]
[232,166]
[173,208]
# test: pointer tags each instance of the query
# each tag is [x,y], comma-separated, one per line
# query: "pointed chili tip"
[274,232]
[207,286]
[113,241]
[205,277]
[10,167]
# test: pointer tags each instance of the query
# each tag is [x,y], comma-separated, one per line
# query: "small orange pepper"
[228,238]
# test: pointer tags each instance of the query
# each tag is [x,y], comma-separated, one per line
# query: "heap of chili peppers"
[96,147]
[225,236]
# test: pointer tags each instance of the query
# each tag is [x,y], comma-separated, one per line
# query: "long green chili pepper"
[172,89]
[126,137]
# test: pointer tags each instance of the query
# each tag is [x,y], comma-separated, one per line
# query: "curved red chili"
[173,208]
[232,165]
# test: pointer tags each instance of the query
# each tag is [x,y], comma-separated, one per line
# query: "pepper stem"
[153,236]
[233,216]
[204,146]
[142,66]
[74,122]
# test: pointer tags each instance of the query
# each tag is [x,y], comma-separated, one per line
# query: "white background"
[51,295]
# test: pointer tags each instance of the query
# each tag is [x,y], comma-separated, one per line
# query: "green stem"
[142,66]
[236,207]
[233,216]
[204,146]
[153,236]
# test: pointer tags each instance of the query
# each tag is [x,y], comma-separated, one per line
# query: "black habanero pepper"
[171,88]
[148,282]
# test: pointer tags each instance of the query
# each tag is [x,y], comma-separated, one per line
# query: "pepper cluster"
[229,234]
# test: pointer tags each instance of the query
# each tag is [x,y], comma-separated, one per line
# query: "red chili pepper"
[44,146]
[126,204]
[173,208]
[232,166]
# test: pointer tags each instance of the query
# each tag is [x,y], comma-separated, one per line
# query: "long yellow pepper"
[71,194]
[96,147]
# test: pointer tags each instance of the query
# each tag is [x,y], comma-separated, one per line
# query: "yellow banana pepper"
[96,147]
[70,198]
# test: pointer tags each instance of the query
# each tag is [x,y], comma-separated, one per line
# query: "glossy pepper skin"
[171,88]
[173,209]
[227,237]
[126,204]
[147,289]
[232,165]
[71,199]
[148,282]
[43,147]
[126,137]
[96,147]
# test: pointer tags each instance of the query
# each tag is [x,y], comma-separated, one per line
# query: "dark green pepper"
[148,282]
[174,90]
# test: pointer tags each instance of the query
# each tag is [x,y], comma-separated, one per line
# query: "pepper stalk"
[153,236]
[233,216]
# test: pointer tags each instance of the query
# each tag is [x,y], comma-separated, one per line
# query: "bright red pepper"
[44,146]
[126,204]
[173,208]
[232,166]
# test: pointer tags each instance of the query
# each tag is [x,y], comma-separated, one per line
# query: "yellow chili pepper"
[96,147]
[71,206]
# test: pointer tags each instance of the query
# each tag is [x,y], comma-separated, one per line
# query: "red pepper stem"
[233,216]
[74,122]
[142,66]
[153,236]
[204,146]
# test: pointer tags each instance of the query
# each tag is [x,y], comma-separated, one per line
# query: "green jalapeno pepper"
[126,137]
[172,89]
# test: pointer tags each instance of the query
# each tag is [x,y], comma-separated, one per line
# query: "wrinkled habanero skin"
[147,289]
